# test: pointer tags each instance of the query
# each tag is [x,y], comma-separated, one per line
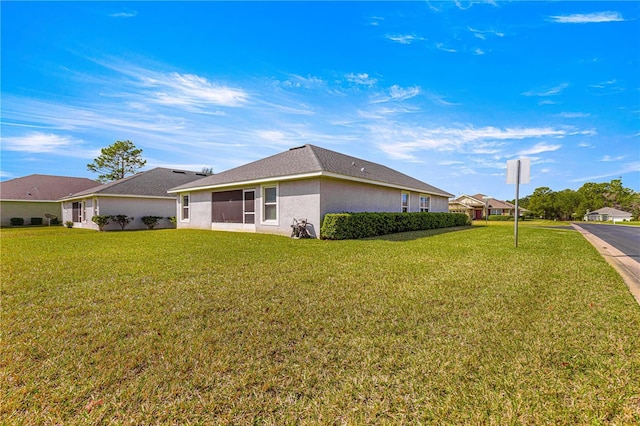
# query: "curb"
[628,268]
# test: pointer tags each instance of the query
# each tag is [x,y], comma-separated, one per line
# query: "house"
[306,182]
[34,198]
[606,214]
[476,206]
[142,194]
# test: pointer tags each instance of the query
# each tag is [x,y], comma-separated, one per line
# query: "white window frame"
[263,190]
[181,207]
[96,209]
[428,198]
[403,208]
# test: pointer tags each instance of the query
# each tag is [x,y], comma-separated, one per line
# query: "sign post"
[518,171]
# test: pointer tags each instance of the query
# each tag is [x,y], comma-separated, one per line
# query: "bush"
[101,220]
[17,221]
[343,226]
[151,221]
[69,224]
[173,220]
[36,221]
[500,218]
[122,219]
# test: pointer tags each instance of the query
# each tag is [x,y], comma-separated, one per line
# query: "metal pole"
[515,230]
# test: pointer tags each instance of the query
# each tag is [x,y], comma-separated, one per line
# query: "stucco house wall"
[130,206]
[28,209]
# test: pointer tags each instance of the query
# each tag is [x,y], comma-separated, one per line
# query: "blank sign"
[525,170]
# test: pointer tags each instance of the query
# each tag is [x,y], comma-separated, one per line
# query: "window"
[424,203]
[270,203]
[405,202]
[96,210]
[185,207]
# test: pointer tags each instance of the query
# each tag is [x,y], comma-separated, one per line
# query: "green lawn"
[445,327]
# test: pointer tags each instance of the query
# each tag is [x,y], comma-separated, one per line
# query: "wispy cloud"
[552,91]
[189,89]
[298,81]
[402,141]
[478,52]
[588,18]
[574,114]
[631,167]
[404,39]
[131,14]
[441,46]
[362,79]
[38,142]
[539,148]
[398,93]
[608,158]
[484,34]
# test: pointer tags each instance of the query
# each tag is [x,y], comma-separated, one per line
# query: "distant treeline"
[573,205]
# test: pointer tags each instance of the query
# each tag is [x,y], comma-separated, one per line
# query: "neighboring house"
[606,214]
[476,206]
[302,183]
[142,194]
[35,196]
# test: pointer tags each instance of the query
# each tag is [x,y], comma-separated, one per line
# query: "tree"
[207,170]
[117,161]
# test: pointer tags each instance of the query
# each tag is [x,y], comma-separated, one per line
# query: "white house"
[142,194]
[607,214]
[306,182]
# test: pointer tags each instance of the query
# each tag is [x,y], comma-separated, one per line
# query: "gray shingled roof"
[609,211]
[152,183]
[310,159]
[43,187]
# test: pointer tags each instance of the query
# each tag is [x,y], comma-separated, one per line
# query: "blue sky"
[446,92]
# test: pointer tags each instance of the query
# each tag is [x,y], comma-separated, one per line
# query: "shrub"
[342,226]
[151,221]
[122,219]
[69,224]
[173,220]
[17,221]
[500,218]
[36,221]
[101,220]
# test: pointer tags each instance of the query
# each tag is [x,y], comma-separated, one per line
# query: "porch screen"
[227,206]
[76,212]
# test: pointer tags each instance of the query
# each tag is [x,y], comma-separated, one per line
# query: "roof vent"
[179,171]
[362,169]
[297,147]
[353,163]
[201,174]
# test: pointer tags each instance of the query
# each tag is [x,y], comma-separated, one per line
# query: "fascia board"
[306,176]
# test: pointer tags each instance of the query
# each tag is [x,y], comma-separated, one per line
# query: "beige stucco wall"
[27,210]
[132,207]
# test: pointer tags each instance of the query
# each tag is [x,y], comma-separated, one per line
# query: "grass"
[202,327]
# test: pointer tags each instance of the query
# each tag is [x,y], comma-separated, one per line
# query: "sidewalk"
[628,268]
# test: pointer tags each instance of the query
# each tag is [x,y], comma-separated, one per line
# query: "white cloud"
[398,93]
[38,142]
[362,78]
[552,91]
[298,81]
[608,158]
[404,39]
[402,141]
[442,47]
[189,89]
[539,148]
[131,14]
[588,18]
[574,115]
[478,52]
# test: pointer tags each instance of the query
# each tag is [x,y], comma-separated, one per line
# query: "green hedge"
[345,226]
[500,218]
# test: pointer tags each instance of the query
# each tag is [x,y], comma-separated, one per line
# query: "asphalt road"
[624,238]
